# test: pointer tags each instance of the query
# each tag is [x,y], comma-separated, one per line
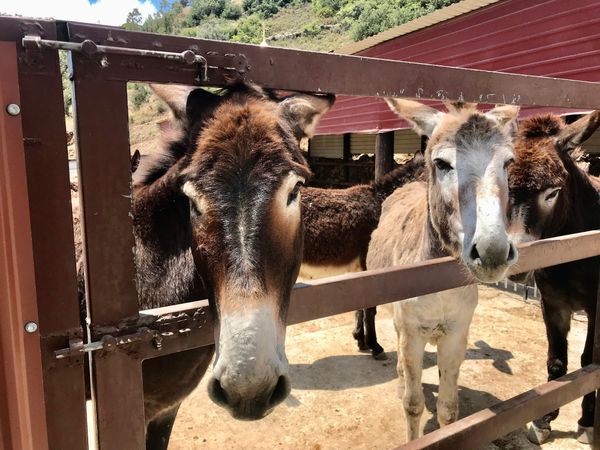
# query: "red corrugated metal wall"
[537,37]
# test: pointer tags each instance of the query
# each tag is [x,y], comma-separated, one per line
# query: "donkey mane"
[178,140]
[542,126]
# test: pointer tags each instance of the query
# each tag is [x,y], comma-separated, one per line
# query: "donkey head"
[543,175]
[467,157]
[241,177]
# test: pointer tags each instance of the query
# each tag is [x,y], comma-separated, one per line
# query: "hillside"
[323,25]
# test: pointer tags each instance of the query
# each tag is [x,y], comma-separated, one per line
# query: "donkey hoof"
[381,356]
[585,435]
[538,435]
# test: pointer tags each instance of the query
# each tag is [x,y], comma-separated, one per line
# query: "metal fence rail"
[100,104]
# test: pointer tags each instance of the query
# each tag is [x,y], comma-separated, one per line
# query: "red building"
[553,38]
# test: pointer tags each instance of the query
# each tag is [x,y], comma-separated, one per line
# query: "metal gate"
[39,311]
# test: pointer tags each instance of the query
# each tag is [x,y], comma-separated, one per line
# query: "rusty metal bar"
[350,292]
[50,211]
[286,69]
[484,426]
[22,424]
[90,48]
[105,196]
[100,110]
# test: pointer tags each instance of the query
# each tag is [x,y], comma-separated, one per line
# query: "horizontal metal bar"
[484,426]
[90,48]
[353,291]
[328,72]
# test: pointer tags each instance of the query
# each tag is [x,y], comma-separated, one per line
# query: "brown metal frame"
[125,336]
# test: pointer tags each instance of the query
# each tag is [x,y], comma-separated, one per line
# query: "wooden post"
[347,155]
[384,153]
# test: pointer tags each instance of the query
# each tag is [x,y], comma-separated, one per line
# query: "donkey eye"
[442,165]
[194,211]
[508,162]
[293,195]
[552,194]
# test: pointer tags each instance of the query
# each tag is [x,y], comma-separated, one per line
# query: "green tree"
[249,30]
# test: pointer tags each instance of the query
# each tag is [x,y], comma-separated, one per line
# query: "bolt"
[31,327]
[13,109]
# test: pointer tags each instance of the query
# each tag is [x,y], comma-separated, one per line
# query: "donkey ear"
[507,115]
[575,134]
[303,112]
[200,105]
[423,118]
[135,161]
[175,96]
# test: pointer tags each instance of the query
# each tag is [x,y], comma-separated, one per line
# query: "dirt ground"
[344,399]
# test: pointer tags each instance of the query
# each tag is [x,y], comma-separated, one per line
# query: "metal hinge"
[90,48]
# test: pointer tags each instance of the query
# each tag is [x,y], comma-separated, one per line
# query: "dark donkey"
[219,211]
[338,224]
[552,196]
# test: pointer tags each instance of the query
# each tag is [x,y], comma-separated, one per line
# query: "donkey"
[461,211]
[551,195]
[219,211]
[337,228]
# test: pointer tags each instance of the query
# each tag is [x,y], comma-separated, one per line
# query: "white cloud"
[106,12]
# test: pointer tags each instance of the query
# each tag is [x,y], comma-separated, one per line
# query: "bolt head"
[31,327]
[13,109]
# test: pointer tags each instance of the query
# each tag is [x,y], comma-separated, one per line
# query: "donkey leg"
[371,334]
[412,347]
[585,430]
[450,355]
[159,430]
[359,331]
[558,323]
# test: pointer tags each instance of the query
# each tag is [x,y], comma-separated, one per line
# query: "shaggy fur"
[546,154]
[338,224]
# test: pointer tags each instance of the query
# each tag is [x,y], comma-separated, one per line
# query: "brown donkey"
[219,211]
[337,229]
[551,196]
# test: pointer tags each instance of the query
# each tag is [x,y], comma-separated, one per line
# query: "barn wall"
[330,145]
[537,37]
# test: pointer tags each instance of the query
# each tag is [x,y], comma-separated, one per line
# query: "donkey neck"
[579,205]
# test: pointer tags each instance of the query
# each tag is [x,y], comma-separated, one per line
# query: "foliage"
[212,28]
[138,94]
[365,18]
[264,8]
[66,82]
[249,30]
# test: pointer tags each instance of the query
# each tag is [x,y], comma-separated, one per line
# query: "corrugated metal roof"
[427,20]
[534,37]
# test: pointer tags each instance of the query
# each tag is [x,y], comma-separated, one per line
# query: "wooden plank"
[22,424]
[384,153]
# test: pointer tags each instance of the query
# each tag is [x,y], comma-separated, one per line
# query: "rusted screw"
[31,327]
[13,109]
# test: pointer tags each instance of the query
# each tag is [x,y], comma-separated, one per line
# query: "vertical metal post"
[384,153]
[22,424]
[54,252]
[105,192]
[596,360]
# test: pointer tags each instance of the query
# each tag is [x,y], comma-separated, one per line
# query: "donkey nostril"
[217,393]
[474,253]
[281,391]
[511,252]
